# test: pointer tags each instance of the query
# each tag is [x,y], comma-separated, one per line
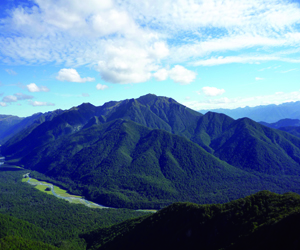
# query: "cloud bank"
[129,42]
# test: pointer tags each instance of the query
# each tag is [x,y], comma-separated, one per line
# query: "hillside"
[261,221]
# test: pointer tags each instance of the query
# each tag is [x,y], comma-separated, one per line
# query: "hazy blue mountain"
[6,122]
[282,123]
[292,126]
[12,125]
[267,113]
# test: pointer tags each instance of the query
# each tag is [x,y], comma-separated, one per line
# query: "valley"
[149,152]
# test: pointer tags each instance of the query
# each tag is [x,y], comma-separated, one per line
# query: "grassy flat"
[57,190]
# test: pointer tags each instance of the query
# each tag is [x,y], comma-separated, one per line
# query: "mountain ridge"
[141,152]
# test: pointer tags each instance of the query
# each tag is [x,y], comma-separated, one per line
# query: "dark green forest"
[28,215]
[264,220]
[30,219]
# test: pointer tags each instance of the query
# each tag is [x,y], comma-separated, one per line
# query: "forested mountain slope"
[152,151]
[124,164]
[261,221]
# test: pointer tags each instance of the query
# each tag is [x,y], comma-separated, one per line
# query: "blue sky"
[56,54]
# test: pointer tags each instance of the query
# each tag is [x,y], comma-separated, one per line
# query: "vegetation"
[261,221]
[28,215]
[123,164]
[152,151]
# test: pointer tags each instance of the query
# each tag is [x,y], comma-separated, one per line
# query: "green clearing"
[57,190]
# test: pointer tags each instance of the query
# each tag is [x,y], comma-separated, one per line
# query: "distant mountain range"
[152,151]
[267,113]
[291,126]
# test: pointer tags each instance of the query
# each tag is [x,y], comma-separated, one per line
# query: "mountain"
[150,110]
[267,113]
[261,221]
[6,122]
[283,123]
[12,125]
[152,151]
[124,164]
[292,126]
[292,130]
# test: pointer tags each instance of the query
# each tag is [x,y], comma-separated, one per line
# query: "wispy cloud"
[259,78]
[32,87]
[11,72]
[85,95]
[101,86]
[287,71]
[211,91]
[9,99]
[21,96]
[16,97]
[230,103]
[37,103]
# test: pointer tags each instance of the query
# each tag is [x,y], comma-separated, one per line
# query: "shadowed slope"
[261,221]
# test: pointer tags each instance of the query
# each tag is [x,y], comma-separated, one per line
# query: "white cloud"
[101,87]
[212,91]
[37,103]
[259,78]
[85,95]
[32,87]
[11,72]
[3,104]
[71,75]
[161,75]
[126,41]
[180,74]
[9,98]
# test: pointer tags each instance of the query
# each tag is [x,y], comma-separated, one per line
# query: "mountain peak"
[151,98]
